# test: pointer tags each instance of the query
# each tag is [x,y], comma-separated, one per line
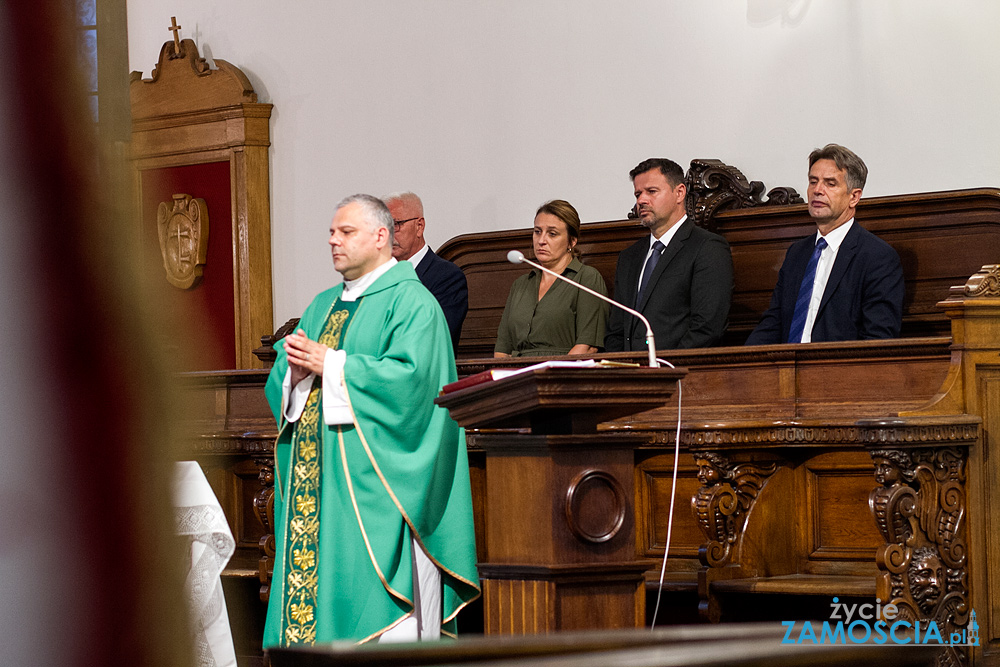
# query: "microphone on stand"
[517,257]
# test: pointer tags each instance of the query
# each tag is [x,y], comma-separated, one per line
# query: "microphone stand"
[517,257]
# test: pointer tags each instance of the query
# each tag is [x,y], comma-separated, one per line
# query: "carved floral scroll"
[263,507]
[919,508]
[714,185]
[722,503]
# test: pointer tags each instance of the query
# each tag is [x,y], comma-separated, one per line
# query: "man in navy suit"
[442,278]
[680,277]
[843,282]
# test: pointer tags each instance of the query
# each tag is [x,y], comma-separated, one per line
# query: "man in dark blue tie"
[843,282]
[680,277]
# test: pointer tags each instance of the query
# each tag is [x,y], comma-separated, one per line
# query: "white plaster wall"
[487,108]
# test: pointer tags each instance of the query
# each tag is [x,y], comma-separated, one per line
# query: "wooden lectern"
[560,518]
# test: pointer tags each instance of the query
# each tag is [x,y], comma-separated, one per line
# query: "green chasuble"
[349,498]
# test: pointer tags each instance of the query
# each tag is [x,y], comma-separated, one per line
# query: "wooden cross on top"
[174,28]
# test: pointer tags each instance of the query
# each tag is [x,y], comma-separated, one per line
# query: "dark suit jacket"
[687,301]
[863,298]
[448,285]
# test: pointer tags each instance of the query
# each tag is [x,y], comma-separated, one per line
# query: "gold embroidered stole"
[301,548]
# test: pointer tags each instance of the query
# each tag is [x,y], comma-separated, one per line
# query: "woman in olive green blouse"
[545,316]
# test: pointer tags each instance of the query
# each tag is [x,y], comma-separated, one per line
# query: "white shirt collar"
[824,268]
[355,288]
[667,235]
[836,237]
[418,255]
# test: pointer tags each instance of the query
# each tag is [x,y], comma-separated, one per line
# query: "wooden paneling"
[477,477]
[621,604]
[519,607]
[841,527]
[653,487]
[563,600]
[521,519]
[984,527]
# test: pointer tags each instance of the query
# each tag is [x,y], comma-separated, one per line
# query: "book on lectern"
[501,373]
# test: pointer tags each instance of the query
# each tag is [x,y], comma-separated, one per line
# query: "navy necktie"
[658,249]
[805,295]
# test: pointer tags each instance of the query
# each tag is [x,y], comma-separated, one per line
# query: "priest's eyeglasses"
[399,223]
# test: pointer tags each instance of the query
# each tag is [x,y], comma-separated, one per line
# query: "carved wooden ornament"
[722,504]
[183,232]
[985,283]
[595,506]
[920,511]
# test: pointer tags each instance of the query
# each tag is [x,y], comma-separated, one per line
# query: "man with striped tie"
[843,282]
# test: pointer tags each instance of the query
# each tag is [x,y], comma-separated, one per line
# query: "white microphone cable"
[673,497]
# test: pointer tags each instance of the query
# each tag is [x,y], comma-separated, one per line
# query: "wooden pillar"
[973,388]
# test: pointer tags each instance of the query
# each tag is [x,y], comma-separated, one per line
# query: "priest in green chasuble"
[372,504]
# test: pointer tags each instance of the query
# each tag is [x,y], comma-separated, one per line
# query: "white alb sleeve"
[294,400]
[335,407]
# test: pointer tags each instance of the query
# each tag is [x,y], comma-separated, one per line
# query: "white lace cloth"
[200,520]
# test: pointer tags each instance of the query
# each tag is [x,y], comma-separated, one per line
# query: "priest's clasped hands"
[304,356]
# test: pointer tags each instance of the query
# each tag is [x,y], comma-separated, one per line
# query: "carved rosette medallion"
[919,509]
[183,233]
[721,505]
[714,185]
[595,506]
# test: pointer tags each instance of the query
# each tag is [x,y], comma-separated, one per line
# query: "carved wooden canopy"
[188,114]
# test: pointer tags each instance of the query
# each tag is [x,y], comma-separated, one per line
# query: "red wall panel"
[202,332]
